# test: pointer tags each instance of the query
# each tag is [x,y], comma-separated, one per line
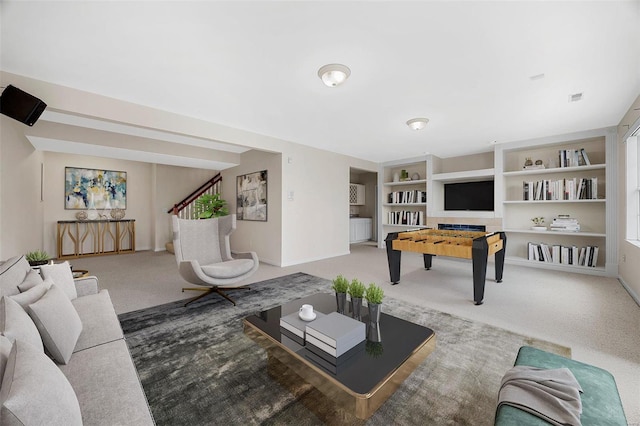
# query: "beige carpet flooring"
[594,316]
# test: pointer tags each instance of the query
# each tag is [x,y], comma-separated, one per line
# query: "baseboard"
[632,293]
[299,262]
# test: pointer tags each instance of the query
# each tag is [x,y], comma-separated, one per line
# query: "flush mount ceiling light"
[417,123]
[334,74]
[575,97]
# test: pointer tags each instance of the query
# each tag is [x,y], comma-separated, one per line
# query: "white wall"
[265,238]
[139,192]
[171,185]
[628,254]
[21,210]
[315,223]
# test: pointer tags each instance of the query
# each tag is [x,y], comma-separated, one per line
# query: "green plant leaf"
[210,205]
[340,284]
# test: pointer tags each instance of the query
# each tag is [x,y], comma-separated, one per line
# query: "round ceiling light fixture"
[417,123]
[334,74]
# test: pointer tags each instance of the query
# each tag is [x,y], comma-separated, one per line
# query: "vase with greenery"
[538,223]
[374,296]
[373,332]
[37,257]
[210,205]
[356,291]
[340,285]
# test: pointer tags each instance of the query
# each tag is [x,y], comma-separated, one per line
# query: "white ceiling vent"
[575,97]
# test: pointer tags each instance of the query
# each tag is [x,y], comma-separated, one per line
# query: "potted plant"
[538,224]
[37,257]
[210,205]
[374,295]
[340,285]
[356,291]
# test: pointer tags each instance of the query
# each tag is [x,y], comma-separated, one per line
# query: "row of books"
[573,157]
[561,189]
[406,217]
[404,197]
[565,255]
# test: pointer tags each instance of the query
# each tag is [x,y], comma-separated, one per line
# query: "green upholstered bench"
[601,405]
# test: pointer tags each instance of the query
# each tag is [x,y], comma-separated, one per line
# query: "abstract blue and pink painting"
[92,188]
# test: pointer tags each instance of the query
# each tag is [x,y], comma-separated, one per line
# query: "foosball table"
[474,245]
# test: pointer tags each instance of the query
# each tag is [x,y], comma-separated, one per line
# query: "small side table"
[80,273]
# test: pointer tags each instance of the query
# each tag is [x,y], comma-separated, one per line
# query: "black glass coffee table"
[363,383]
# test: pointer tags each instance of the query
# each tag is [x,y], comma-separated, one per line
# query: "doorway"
[363,220]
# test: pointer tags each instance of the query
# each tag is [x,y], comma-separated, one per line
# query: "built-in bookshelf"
[555,177]
[403,195]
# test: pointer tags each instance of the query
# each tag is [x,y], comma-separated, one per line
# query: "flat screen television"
[472,196]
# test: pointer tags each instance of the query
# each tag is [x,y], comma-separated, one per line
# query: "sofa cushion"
[103,367]
[229,269]
[12,273]
[62,276]
[58,323]
[35,392]
[99,320]
[15,323]
[601,404]
[33,294]
[5,350]
[32,279]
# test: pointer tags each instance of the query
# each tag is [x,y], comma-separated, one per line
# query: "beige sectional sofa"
[75,368]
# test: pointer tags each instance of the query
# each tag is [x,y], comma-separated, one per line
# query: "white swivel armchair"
[204,255]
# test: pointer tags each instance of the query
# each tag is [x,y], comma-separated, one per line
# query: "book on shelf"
[573,157]
[565,223]
[565,255]
[560,189]
[407,197]
[406,217]
[335,333]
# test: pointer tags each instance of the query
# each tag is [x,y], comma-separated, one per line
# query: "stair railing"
[185,208]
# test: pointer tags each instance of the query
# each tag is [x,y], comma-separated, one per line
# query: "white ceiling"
[253,65]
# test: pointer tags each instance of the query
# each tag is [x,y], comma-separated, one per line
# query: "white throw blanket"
[551,394]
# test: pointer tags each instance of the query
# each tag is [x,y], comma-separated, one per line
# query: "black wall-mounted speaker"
[20,105]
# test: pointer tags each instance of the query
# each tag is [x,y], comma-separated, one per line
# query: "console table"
[79,238]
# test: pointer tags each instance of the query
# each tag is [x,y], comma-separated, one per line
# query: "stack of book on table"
[565,223]
[293,328]
[333,340]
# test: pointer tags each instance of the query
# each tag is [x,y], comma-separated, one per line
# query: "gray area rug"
[198,368]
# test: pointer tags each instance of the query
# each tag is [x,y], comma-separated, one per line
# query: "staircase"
[185,208]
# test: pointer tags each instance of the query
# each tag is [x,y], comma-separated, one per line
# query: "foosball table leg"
[479,253]
[393,257]
[499,258]
[427,261]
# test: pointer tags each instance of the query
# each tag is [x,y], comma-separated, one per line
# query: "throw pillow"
[15,323]
[5,350]
[33,294]
[58,323]
[35,391]
[32,279]
[12,273]
[62,276]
